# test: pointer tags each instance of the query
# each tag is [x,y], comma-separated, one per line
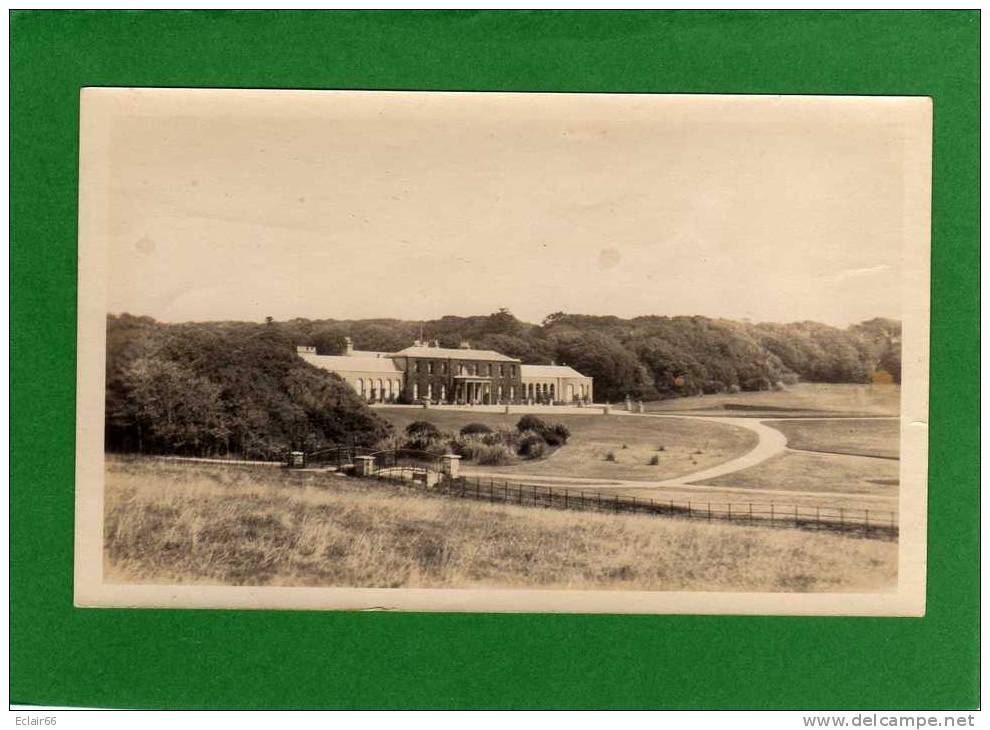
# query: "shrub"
[551,437]
[422,429]
[423,436]
[466,449]
[531,423]
[625,446]
[654,460]
[438,448]
[661,447]
[610,456]
[494,455]
[532,446]
[475,428]
[562,431]
[495,437]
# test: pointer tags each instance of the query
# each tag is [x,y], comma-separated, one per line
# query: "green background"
[61,655]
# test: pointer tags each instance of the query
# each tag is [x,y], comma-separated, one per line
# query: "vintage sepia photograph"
[633,353]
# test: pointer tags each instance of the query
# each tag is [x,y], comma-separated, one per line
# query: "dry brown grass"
[194,523]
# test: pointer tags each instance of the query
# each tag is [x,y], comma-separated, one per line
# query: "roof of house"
[549,371]
[345,363]
[369,353]
[450,353]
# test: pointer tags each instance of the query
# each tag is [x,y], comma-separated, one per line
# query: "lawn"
[807,472]
[867,437]
[795,400]
[688,445]
[200,523]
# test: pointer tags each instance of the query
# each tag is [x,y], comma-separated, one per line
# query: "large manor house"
[428,373]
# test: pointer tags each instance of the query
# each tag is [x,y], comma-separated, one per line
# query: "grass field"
[806,472]
[688,445]
[796,400]
[198,523]
[867,437]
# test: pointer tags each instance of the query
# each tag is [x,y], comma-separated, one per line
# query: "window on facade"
[430,368]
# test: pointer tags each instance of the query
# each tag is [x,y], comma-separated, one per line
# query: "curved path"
[770,443]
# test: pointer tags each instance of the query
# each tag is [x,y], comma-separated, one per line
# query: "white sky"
[238,205]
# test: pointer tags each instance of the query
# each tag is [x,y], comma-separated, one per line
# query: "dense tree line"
[645,357]
[219,389]
[239,388]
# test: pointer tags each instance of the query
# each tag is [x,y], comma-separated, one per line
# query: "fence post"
[565,497]
[671,506]
[771,514]
[750,513]
[690,513]
[795,516]
[867,520]
[818,517]
[842,517]
[729,513]
[549,496]
[710,511]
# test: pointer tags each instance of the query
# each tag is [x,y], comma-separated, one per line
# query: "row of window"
[470,368]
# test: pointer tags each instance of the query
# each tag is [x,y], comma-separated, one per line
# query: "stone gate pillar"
[451,465]
[364,466]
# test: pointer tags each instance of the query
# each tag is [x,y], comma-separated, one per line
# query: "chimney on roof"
[465,345]
[348,346]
